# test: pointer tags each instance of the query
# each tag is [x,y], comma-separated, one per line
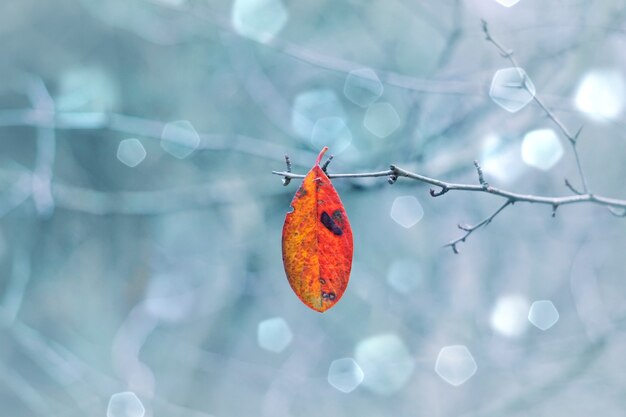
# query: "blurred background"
[140,224]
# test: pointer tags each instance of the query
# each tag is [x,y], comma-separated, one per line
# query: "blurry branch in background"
[38,183]
[87,200]
[43,105]
[343,65]
[50,120]
[616,206]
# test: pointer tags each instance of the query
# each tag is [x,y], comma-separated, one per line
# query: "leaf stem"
[319,157]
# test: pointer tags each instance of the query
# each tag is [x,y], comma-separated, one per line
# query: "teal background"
[154,279]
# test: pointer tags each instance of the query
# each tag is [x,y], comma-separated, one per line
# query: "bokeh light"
[180,139]
[313,105]
[125,404]
[508,3]
[500,159]
[543,314]
[509,315]
[455,364]
[363,87]
[331,132]
[512,89]
[407,211]
[381,119]
[386,363]
[542,149]
[601,94]
[131,152]
[260,20]
[345,375]
[274,334]
[87,89]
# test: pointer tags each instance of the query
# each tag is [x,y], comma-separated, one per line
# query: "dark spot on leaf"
[337,216]
[302,191]
[330,224]
[331,296]
[322,281]
[325,295]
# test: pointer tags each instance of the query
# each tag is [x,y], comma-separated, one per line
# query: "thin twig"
[481,177]
[572,138]
[471,229]
[287,180]
[325,166]
[571,187]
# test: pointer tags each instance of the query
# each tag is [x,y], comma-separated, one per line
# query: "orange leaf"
[317,242]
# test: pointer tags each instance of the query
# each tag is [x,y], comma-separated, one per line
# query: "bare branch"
[489,189]
[359,175]
[612,204]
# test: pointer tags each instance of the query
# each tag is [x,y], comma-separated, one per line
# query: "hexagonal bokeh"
[542,149]
[260,20]
[508,3]
[381,119]
[543,314]
[406,211]
[131,152]
[331,132]
[455,364]
[386,363]
[363,87]
[601,94]
[345,375]
[313,105]
[404,275]
[508,316]
[512,89]
[179,139]
[274,334]
[125,404]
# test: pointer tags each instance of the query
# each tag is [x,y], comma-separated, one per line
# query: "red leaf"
[317,242]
